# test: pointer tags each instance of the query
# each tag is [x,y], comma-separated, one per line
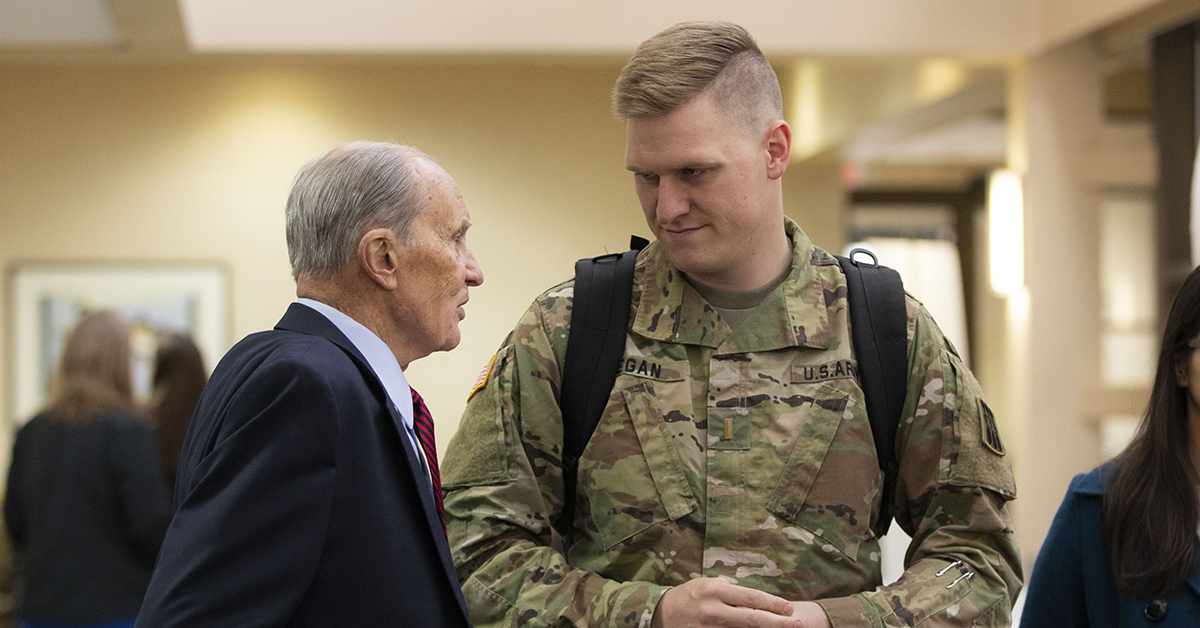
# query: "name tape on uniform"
[841,369]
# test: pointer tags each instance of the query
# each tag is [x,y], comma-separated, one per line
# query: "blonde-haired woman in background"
[87,503]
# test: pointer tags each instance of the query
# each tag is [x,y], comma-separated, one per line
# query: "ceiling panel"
[611,27]
[56,24]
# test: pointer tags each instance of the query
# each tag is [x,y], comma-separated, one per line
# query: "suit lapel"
[429,506]
[305,320]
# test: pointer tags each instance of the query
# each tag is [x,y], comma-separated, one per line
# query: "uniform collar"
[671,310]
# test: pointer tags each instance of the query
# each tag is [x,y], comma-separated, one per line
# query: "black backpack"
[596,345]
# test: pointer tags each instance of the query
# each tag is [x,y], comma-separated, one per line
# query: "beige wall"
[194,163]
[815,198]
[1053,327]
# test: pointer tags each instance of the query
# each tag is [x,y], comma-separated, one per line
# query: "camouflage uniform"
[744,454]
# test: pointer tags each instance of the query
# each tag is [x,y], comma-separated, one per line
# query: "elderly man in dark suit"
[308,491]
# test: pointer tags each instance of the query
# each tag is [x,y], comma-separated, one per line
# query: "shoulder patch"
[481,381]
[988,432]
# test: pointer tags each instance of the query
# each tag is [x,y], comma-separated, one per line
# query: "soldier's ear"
[378,256]
[778,140]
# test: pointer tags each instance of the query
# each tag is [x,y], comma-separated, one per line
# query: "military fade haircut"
[719,59]
[344,193]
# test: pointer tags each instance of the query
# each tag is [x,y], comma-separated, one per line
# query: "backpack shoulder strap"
[595,346]
[878,323]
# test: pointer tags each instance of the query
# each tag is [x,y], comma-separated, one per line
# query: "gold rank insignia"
[481,381]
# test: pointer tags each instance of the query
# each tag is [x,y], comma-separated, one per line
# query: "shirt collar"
[670,309]
[381,359]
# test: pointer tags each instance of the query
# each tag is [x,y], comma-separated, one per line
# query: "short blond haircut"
[717,58]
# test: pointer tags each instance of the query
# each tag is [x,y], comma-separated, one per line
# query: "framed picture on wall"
[47,298]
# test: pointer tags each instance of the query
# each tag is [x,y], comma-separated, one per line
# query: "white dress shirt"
[381,360]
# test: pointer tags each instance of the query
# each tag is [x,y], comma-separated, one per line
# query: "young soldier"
[733,481]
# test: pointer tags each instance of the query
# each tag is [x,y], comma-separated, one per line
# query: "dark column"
[1174,114]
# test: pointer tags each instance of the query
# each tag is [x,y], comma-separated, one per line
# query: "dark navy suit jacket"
[298,500]
[1072,582]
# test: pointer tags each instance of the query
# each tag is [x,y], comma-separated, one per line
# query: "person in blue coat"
[1123,548]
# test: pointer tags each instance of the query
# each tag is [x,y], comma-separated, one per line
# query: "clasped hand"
[713,602]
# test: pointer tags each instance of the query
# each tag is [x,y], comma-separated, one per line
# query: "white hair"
[345,192]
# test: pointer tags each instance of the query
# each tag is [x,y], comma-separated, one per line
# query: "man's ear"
[778,139]
[379,257]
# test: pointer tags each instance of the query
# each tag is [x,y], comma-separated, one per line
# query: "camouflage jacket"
[738,453]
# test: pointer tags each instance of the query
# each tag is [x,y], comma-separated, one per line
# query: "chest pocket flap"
[634,474]
[665,467]
[831,481]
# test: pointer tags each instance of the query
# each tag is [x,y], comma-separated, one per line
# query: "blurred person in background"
[86,504]
[1123,547]
[179,377]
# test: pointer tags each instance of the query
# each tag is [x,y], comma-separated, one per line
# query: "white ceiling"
[614,27]
[967,126]
[56,23]
[981,140]
[963,128]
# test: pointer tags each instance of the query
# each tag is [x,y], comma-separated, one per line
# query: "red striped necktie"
[423,424]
